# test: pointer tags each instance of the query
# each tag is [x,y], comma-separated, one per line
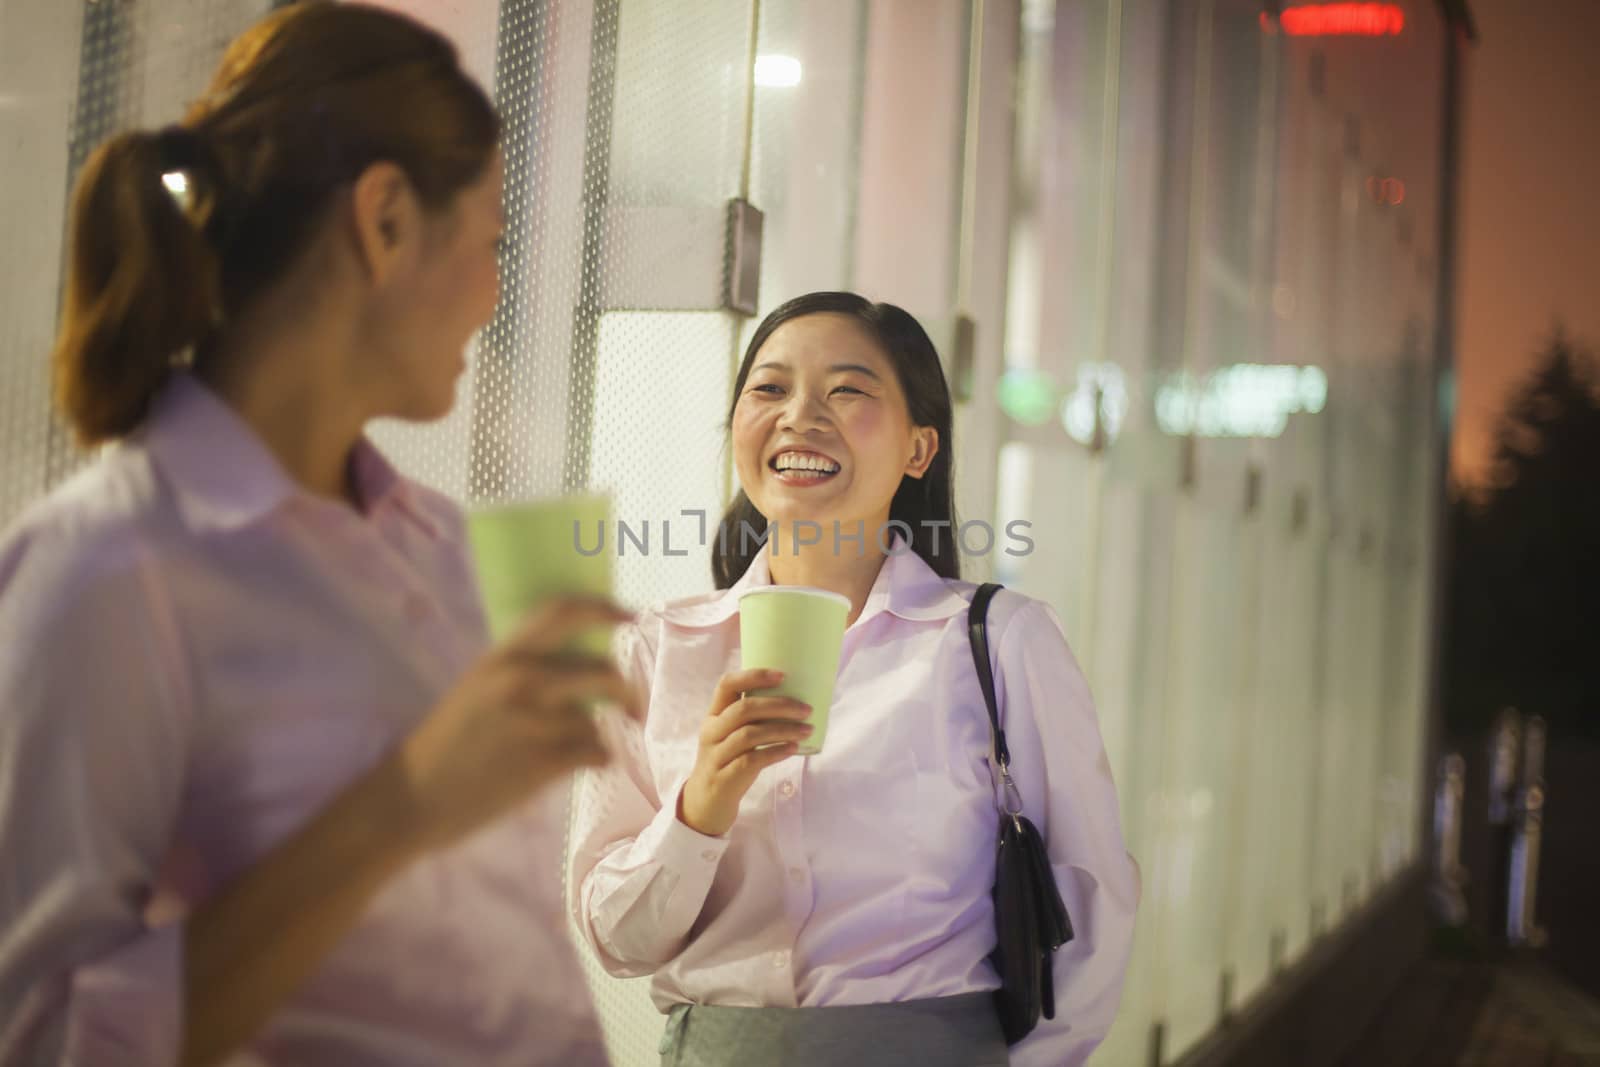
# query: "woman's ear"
[925,445]
[384,215]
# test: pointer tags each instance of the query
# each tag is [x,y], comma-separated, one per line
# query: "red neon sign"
[1391,191]
[1338,20]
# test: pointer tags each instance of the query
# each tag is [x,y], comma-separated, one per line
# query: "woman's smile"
[803,467]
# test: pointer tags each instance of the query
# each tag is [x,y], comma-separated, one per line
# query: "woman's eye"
[772,389]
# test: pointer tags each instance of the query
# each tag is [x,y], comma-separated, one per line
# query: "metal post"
[1522,888]
[1450,903]
[1523,891]
[1506,742]
[1533,753]
[1505,747]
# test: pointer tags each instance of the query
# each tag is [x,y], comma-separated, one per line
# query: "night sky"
[1530,221]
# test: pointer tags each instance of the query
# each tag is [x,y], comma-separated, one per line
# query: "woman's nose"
[802,412]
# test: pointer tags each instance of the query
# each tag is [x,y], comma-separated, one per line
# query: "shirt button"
[796,875]
[780,960]
[786,789]
[709,855]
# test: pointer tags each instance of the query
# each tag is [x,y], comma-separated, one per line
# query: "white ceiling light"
[777,72]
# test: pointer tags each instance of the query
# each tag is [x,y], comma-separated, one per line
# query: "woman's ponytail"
[143,285]
[303,102]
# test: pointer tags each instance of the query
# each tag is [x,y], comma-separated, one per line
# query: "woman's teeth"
[795,462]
[801,469]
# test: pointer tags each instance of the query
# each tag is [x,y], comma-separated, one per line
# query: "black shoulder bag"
[1029,917]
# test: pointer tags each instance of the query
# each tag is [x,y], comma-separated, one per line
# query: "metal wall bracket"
[1156,1054]
[1252,489]
[1188,462]
[962,357]
[741,279]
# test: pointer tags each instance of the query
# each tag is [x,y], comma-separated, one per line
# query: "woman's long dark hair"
[923,504]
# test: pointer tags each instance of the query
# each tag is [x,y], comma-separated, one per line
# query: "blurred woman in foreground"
[245,675]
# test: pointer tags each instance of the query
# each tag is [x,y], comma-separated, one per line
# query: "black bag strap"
[978,635]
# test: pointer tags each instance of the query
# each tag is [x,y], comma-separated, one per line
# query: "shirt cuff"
[688,855]
[675,844]
[127,1006]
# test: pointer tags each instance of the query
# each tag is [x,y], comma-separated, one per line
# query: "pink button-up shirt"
[195,656]
[862,874]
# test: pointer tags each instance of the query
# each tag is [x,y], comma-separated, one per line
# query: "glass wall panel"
[1246,624]
[806,144]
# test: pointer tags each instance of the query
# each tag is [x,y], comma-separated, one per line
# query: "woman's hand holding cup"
[519,719]
[739,738]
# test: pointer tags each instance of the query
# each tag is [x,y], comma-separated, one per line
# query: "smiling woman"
[806,896]
[830,380]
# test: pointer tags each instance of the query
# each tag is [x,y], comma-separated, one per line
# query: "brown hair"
[302,103]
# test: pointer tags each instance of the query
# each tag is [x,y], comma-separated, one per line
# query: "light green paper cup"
[529,551]
[796,630]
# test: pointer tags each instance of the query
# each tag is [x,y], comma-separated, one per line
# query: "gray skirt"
[959,1031]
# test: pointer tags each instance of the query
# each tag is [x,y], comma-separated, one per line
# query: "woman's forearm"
[517,721]
[250,946]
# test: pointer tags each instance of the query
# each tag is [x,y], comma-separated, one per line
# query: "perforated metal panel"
[72,74]
[40,85]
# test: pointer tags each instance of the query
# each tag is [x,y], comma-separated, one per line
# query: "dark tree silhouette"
[1524,627]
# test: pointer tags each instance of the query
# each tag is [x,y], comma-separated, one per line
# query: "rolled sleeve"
[1061,767]
[93,742]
